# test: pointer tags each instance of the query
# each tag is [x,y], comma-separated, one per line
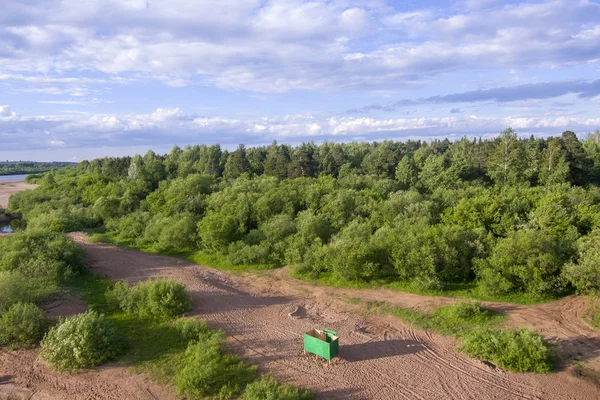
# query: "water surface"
[12,177]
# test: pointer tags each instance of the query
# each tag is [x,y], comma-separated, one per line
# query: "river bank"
[9,187]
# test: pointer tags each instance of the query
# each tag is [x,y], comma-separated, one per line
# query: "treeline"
[511,215]
[29,167]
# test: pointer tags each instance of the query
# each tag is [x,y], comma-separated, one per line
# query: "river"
[12,178]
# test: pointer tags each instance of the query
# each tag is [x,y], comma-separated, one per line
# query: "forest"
[506,216]
[29,167]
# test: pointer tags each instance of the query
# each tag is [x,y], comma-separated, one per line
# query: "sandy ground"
[9,187]
[380,357]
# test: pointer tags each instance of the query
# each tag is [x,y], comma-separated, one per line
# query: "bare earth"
[9,187]
[265,315]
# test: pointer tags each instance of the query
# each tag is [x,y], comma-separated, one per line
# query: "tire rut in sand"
[266,315]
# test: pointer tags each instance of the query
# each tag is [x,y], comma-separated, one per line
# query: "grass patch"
[519,350]
[454,290]
[216,261]
[184,352]
[456,320]
[268,388]
[15,288]
[156,348]
[23,325]
[592,316]
[159,300]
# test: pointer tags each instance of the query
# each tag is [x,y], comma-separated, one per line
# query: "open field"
[266,313]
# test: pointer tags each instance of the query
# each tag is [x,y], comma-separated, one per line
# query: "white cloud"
[281,45]
[6,113]
[168,126]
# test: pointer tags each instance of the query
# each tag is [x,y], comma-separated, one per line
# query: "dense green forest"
[504,217]
[29,167]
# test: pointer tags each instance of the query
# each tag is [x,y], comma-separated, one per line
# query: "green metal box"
[323,343]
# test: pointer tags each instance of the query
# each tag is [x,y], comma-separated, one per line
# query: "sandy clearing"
[23,376]
[561,322]
[265,315]
[10,187]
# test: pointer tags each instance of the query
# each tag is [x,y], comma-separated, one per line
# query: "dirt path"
[381,358]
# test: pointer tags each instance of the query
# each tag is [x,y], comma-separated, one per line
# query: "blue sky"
[85,79]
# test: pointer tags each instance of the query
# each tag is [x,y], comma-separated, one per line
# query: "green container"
[323,343]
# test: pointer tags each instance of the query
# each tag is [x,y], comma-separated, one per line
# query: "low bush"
[22,325]
[519,350]
[456,319]
[267,388]
[192,329]
[208,372]
[41,254]
[158,300]
[83,341]
[15,288]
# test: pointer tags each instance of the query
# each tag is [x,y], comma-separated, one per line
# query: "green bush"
[158,300]
[41,254]
[267,388]
[207,372]
[585,274]
[528,261]
[192,329]
[22,325]
[15,288]
[83,341]
[519,350]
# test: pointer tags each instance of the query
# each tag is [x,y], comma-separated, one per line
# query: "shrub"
[217,231]
[468,311]
[209,372]
[192,329]
[519,350]
[267,388]
[83,341]
[528,261]
[15,288]
[41,254]
[158,300]
[585,274]
[22,325]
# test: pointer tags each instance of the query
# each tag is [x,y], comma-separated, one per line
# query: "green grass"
[183,352]
[455,290]
[216,261]
[518,350]
[156,348]
[455,320]
[592,316]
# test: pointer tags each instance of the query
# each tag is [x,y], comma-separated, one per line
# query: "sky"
[86,79]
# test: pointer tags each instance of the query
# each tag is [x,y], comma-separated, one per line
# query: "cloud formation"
[166,127]
[281,45]
[84,74]
[529,91]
